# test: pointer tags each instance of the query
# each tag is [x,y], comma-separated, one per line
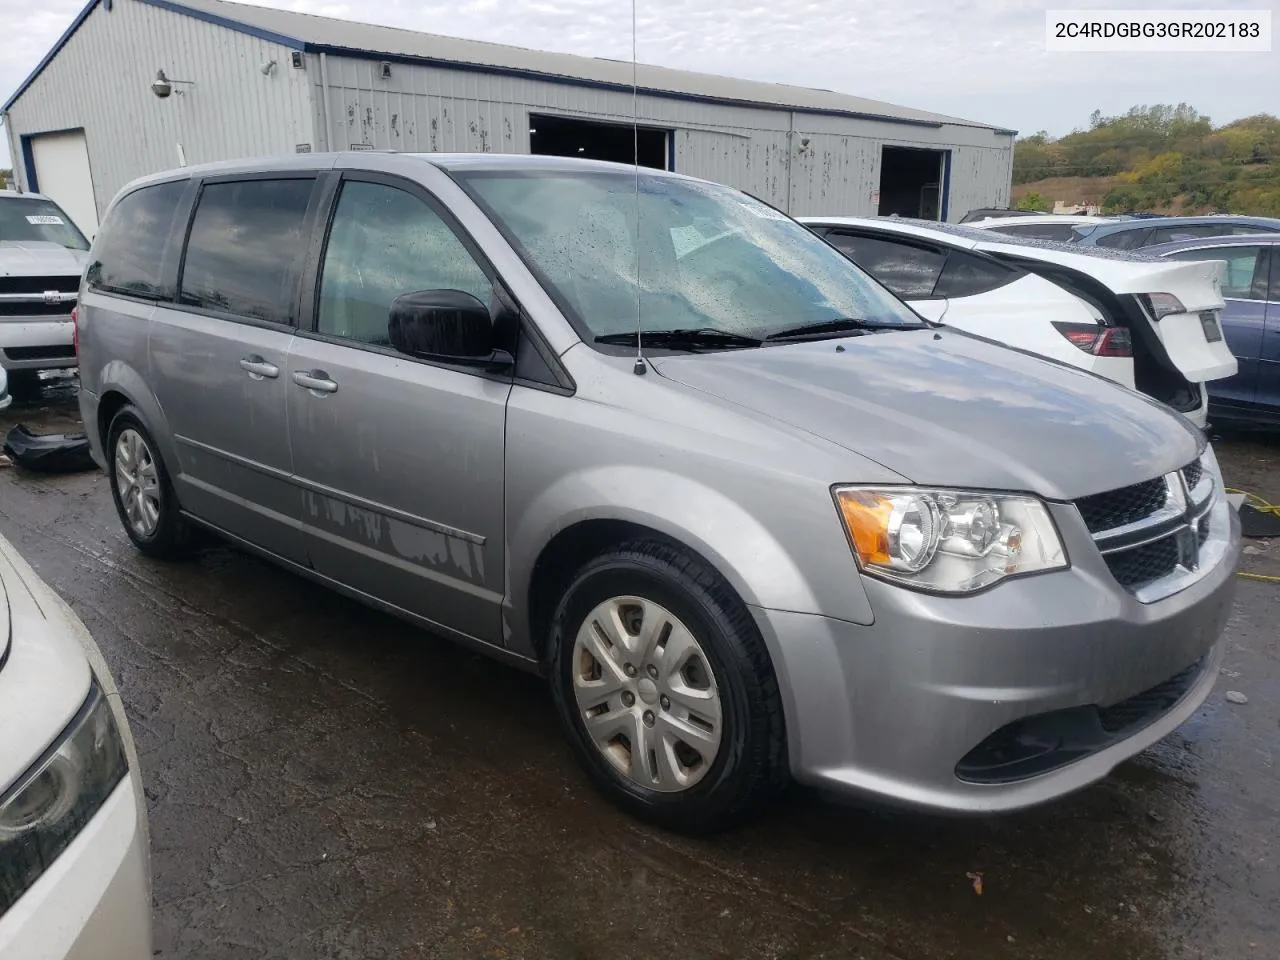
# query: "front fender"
[763,570]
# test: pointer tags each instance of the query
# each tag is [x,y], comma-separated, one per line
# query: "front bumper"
[37,343]
[94,901]
[890,709]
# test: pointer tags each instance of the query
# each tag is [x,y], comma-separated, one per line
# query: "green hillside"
[1159,158]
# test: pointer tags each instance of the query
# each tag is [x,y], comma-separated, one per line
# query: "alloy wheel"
[137,482]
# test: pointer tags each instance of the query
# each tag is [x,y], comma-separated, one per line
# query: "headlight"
[948,541]
[51,803]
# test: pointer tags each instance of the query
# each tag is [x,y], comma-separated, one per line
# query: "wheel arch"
[121,385]
[583,514]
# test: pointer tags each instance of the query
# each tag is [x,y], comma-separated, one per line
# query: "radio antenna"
[640,366]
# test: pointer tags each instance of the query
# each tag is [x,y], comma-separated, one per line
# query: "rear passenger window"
[1189,232]
[1246,274]
[246,249]
[386,242]
[907,270]
[129,248]
[966,275]
[1123,239]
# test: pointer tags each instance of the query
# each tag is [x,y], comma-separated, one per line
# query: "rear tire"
[649,646]
[141,489]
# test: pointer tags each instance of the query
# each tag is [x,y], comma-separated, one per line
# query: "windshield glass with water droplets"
[709,257]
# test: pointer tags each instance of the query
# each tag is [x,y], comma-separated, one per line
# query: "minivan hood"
[32,258]
[943,408]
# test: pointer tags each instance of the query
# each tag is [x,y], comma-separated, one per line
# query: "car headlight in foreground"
[948,541]
[53,801]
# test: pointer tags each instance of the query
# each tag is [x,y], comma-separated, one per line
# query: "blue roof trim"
[526,74]
[62,40]
[236,25]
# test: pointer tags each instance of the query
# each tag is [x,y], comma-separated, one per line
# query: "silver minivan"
[790,530]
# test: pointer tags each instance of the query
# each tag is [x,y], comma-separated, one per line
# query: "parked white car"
[42,255]
[1045,226]
[74,873]
[1166,316]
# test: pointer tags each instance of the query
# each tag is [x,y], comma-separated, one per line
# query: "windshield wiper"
[840,325]
[706,337]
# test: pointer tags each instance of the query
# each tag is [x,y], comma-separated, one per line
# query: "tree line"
[1164,158]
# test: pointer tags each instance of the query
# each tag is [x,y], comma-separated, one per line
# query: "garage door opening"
[58,167]
[911,182]
[563,137]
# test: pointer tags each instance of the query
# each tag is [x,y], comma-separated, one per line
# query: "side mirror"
[447,325]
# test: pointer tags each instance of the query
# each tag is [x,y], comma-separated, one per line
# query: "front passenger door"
[400,459]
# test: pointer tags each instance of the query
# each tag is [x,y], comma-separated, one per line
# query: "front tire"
[142,491]
[665,687]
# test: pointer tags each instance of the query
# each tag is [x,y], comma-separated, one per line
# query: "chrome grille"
[1115,508]
[1142,565]
[1151,534]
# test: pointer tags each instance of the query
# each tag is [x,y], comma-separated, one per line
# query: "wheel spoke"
[606,726]
[653,620]
[702,704]
[593,692]
[148,481]
[590,637]
[645,747]
[679,648]
[150,512]
[614,628]
[705,742]
[669,772]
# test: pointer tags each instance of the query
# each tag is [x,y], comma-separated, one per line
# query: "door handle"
[257,368]
[316,380]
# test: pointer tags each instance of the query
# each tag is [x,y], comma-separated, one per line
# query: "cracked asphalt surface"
[325,781]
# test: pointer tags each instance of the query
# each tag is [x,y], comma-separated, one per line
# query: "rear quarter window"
[1124,239]
[908,270]
[1061,232]
[129,249]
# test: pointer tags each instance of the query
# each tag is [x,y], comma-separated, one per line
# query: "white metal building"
[252,81]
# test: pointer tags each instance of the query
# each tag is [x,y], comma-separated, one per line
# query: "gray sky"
[980,59]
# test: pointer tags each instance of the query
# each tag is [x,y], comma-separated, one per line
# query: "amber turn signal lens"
[866,517]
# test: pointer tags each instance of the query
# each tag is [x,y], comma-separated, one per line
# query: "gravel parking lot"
[325,781]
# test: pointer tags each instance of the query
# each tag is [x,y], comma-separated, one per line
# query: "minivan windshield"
[710,259]
[30,219]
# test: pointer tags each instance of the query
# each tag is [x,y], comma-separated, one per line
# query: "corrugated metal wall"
[101,81]
[802,163]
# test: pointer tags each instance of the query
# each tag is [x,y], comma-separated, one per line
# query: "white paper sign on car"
[42,221]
